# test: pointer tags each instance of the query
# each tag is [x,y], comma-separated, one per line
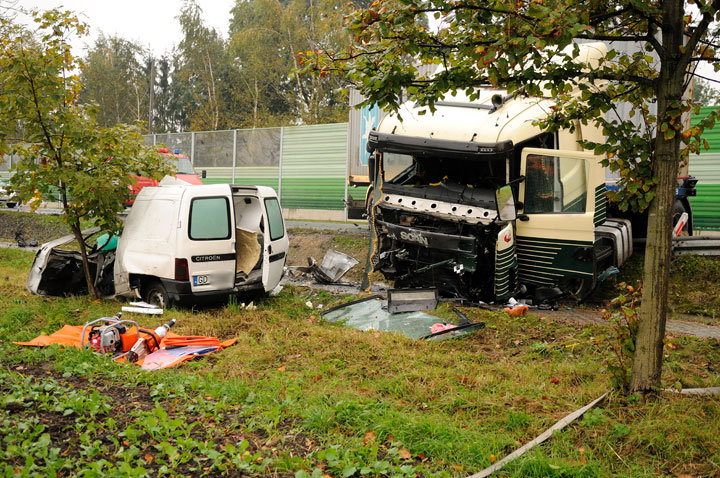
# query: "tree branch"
[713,80]
[697,35]
[36,102]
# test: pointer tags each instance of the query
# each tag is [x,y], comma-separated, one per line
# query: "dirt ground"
[306,243]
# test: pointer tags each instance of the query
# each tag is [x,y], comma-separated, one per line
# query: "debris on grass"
[372,313]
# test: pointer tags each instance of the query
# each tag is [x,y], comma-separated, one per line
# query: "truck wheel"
[578,288]
[678,210]
[155,293]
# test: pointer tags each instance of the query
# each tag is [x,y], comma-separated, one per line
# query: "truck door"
[555,232]
[276,244]
[209,244]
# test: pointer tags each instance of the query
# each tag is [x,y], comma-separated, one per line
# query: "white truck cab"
[180,244]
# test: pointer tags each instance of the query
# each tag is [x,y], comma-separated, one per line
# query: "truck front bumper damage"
[458,257]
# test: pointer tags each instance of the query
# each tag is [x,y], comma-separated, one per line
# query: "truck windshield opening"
[406,170]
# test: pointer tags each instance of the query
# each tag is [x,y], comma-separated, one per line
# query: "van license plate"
[201,280]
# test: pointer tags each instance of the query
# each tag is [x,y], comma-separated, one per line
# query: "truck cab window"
[555,185]
[209,219]
[394,164]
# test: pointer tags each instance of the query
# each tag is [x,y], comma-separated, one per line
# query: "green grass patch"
[298,396]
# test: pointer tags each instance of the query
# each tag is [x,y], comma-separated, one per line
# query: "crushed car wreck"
[179,244]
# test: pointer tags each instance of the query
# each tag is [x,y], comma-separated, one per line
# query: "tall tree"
[115,78]
[62,146]
[265,39]
[527,47]
[200,63]
[163,118]
[705,93]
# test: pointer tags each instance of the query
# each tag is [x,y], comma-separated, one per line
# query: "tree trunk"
[89,279]
[647,360]
[77,232]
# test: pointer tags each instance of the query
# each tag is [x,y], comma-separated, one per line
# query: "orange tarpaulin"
[70,335]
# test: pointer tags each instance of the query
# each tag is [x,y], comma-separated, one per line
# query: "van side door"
[563,198]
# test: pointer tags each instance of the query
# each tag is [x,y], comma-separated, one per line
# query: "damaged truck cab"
[446,185]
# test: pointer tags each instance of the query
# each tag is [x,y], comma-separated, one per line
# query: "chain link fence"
[306,165]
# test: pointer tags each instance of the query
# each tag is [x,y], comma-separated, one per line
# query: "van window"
[274,218]
[209,219]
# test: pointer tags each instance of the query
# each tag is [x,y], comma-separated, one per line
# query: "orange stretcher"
[174,349]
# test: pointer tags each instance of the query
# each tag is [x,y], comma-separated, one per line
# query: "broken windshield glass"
[372,314]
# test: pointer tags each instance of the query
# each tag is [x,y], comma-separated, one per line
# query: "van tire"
[155,293]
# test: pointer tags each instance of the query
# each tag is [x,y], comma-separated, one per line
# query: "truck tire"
[155,293]
[579,289]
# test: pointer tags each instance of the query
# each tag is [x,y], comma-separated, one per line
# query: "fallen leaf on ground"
[369,438]
[404,453]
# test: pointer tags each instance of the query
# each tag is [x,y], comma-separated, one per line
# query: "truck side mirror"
[505,202]
[371,167]
[203,173]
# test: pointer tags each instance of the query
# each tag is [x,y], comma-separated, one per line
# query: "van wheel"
[155,293]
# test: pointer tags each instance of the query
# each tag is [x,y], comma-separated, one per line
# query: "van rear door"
[209,243]
[276,243]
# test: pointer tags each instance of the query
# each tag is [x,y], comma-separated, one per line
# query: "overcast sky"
[151,23]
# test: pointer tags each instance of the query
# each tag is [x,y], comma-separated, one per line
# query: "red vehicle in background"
[185,172]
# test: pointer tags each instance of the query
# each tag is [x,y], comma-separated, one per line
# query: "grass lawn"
[300,397]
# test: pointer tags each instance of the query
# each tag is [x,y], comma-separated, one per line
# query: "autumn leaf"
[404,453]
[369,438]
[554,380]
[281,368]
[148,457]
[493,458]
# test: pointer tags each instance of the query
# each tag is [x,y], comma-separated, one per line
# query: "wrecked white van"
[181,244]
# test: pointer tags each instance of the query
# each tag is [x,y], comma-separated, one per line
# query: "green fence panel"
[314,166]
[706,167]
[712,136]
[706,207]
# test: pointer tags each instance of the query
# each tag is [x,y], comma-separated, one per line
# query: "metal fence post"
[347,160]
[154,139]
[280,163]
[192,148]
[234,155]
